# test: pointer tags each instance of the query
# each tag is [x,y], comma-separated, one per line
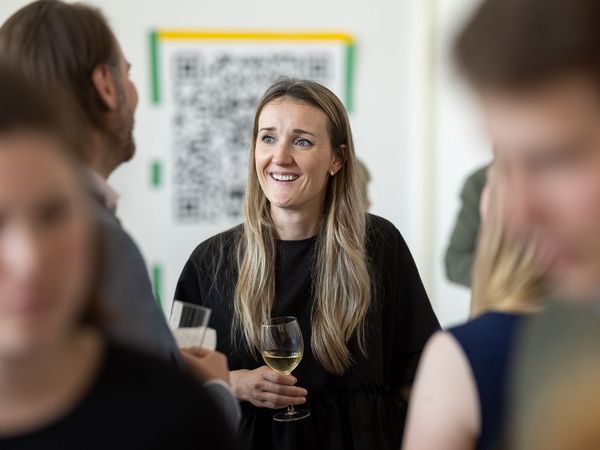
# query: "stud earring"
[332,172]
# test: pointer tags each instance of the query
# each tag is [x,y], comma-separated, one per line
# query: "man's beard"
[121,133]
[124,143]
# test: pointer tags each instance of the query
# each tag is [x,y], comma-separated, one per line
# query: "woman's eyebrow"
[296,131]
[300,131]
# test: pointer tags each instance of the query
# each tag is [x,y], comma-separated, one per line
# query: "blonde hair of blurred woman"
[341,281]
[506,275]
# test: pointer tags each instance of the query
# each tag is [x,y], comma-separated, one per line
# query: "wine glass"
[281,346]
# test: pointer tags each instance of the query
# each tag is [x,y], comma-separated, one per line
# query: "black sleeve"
[408,314]
[188,286]
[209,275]
[415,314]
[407,318]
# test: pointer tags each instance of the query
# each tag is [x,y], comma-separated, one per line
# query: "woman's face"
[293,156]
[45,234]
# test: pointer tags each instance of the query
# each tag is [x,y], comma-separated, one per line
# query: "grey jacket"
[134,318]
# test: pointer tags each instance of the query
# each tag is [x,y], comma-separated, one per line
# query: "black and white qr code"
[215,95]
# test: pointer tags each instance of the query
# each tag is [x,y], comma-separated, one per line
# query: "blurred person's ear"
[103,79]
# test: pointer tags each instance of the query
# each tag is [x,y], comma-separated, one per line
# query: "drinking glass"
[281,346]
[188,323]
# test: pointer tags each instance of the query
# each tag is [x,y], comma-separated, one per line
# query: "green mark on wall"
[154,68]
[157,283]
[156,174]
[349,94]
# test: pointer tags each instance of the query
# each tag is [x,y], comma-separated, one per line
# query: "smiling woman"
[294,159]
[308,249]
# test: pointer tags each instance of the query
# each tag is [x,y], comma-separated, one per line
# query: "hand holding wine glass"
[282,347]
[265,388]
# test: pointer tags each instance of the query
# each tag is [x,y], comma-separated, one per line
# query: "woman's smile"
[284,177]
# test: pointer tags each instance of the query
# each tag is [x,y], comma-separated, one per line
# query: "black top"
[136,402]
[488,342]
[361,409]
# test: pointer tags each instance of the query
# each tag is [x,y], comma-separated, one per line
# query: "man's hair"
[516,44]
[59,44]
[25,108]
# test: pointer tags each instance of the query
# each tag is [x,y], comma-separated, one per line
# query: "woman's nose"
[282,154]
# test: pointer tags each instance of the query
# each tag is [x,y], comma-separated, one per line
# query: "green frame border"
[155,92]
[349,88]
[154,68]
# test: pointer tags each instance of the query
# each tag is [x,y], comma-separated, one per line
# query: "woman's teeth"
[284,177]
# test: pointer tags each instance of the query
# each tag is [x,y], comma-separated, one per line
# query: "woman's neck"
[42,387]
[296,225]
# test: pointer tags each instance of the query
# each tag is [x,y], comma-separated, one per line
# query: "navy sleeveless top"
[487,342]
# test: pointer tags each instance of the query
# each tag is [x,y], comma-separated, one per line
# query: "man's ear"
[105,84]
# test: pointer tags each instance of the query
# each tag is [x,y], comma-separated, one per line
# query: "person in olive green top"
[461,249]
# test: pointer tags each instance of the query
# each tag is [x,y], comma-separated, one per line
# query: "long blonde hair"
[506,274]
[340,280]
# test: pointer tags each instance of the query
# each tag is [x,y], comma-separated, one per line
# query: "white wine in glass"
[282,347]
[282,362]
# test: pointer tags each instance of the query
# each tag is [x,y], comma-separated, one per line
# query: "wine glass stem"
[291,411]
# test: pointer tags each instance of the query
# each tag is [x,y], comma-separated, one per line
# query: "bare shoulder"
[443,365]
[444,406]
[442,350]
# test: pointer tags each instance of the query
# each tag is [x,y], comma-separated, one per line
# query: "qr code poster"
[207,86]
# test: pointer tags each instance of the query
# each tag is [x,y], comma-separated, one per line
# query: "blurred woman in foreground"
[459,397]
[62,385]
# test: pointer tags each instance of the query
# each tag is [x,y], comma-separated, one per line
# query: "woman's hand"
[265,388]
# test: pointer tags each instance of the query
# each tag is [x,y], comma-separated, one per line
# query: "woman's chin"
[282,203]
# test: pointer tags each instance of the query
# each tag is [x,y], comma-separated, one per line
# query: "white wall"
[460,146]
[413,127]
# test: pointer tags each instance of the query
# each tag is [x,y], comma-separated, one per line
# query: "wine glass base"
[287,416]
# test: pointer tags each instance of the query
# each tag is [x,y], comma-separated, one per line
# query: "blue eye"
[267,139]
[303,143]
